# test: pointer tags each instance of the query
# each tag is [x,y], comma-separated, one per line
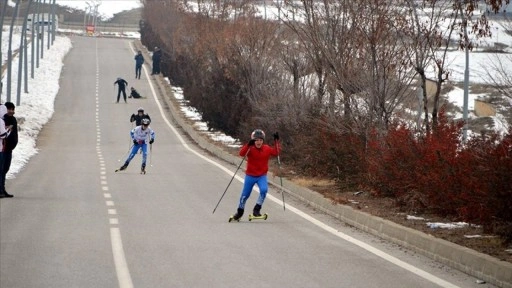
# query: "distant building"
[45,19]
[484,109]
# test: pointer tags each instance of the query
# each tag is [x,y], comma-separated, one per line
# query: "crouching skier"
[140,136]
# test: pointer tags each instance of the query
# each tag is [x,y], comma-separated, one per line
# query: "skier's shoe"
[4,194]
[238,215]
[143,169]
[122,167]
[256,211]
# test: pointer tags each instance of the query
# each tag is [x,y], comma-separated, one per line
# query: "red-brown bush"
[469,181]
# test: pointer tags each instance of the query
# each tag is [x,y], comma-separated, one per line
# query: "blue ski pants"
[249,183]
[135,149]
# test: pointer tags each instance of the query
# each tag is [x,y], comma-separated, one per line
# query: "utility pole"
[32,47]
[85,16]
[9,52]
[42,28]
[26,45]
[88,12]
[4,8]
[54,19]
[96,5]
[466,77]
[36,32]
[22,58]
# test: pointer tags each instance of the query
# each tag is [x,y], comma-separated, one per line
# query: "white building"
[45,19]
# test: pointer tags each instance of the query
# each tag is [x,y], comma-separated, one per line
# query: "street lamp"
[9,52]
[97,4]
[88,8]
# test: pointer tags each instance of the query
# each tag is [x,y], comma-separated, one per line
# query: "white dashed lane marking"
[123,273]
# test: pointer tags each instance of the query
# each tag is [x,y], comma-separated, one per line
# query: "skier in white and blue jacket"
[141,135]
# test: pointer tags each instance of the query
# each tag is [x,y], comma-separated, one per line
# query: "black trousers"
[156,67]
[119,94]
[5,164]
[138,69]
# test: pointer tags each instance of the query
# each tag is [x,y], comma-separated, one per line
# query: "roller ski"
[256,213]
[260,217]
[122,167]
[237,216]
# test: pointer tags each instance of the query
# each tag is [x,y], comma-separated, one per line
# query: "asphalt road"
[76,223]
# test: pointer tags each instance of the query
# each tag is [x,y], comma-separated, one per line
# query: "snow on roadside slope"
[37,106]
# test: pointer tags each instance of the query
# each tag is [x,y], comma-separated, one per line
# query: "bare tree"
[435,26]
[326,33]
[384,71]
[497,71]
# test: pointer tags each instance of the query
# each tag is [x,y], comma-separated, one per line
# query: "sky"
[37,106]
[106,8]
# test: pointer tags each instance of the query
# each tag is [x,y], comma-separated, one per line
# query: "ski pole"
[131,141]
[150,154]
[230,181]
[127,152]
[281,178]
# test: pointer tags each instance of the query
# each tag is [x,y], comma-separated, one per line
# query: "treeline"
[336,78]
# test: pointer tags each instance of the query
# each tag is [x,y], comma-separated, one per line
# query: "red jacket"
[257,158]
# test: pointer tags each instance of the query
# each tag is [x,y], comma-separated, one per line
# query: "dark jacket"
[138,118]
[122,83]
[157,55]
[12,140]
[135,94]
[139,60]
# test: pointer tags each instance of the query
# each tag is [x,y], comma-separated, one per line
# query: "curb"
[469,261]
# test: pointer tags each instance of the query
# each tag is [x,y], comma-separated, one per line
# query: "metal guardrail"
[101,27]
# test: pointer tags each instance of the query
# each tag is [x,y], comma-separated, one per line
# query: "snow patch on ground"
[453,225]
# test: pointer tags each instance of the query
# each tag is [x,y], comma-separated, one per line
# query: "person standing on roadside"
[9,144]
[157,57]
[4,132]
[139,60]
[121,83]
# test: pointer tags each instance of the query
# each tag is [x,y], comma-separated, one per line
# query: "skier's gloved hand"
[132,118]
[276,136]
[151,141]
[251,142]
[135,142]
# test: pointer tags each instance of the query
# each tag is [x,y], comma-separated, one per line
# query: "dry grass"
[314,182]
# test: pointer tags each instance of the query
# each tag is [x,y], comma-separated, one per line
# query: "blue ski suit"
[141,137]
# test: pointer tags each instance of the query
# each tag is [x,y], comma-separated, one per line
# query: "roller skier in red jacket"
[258,154]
